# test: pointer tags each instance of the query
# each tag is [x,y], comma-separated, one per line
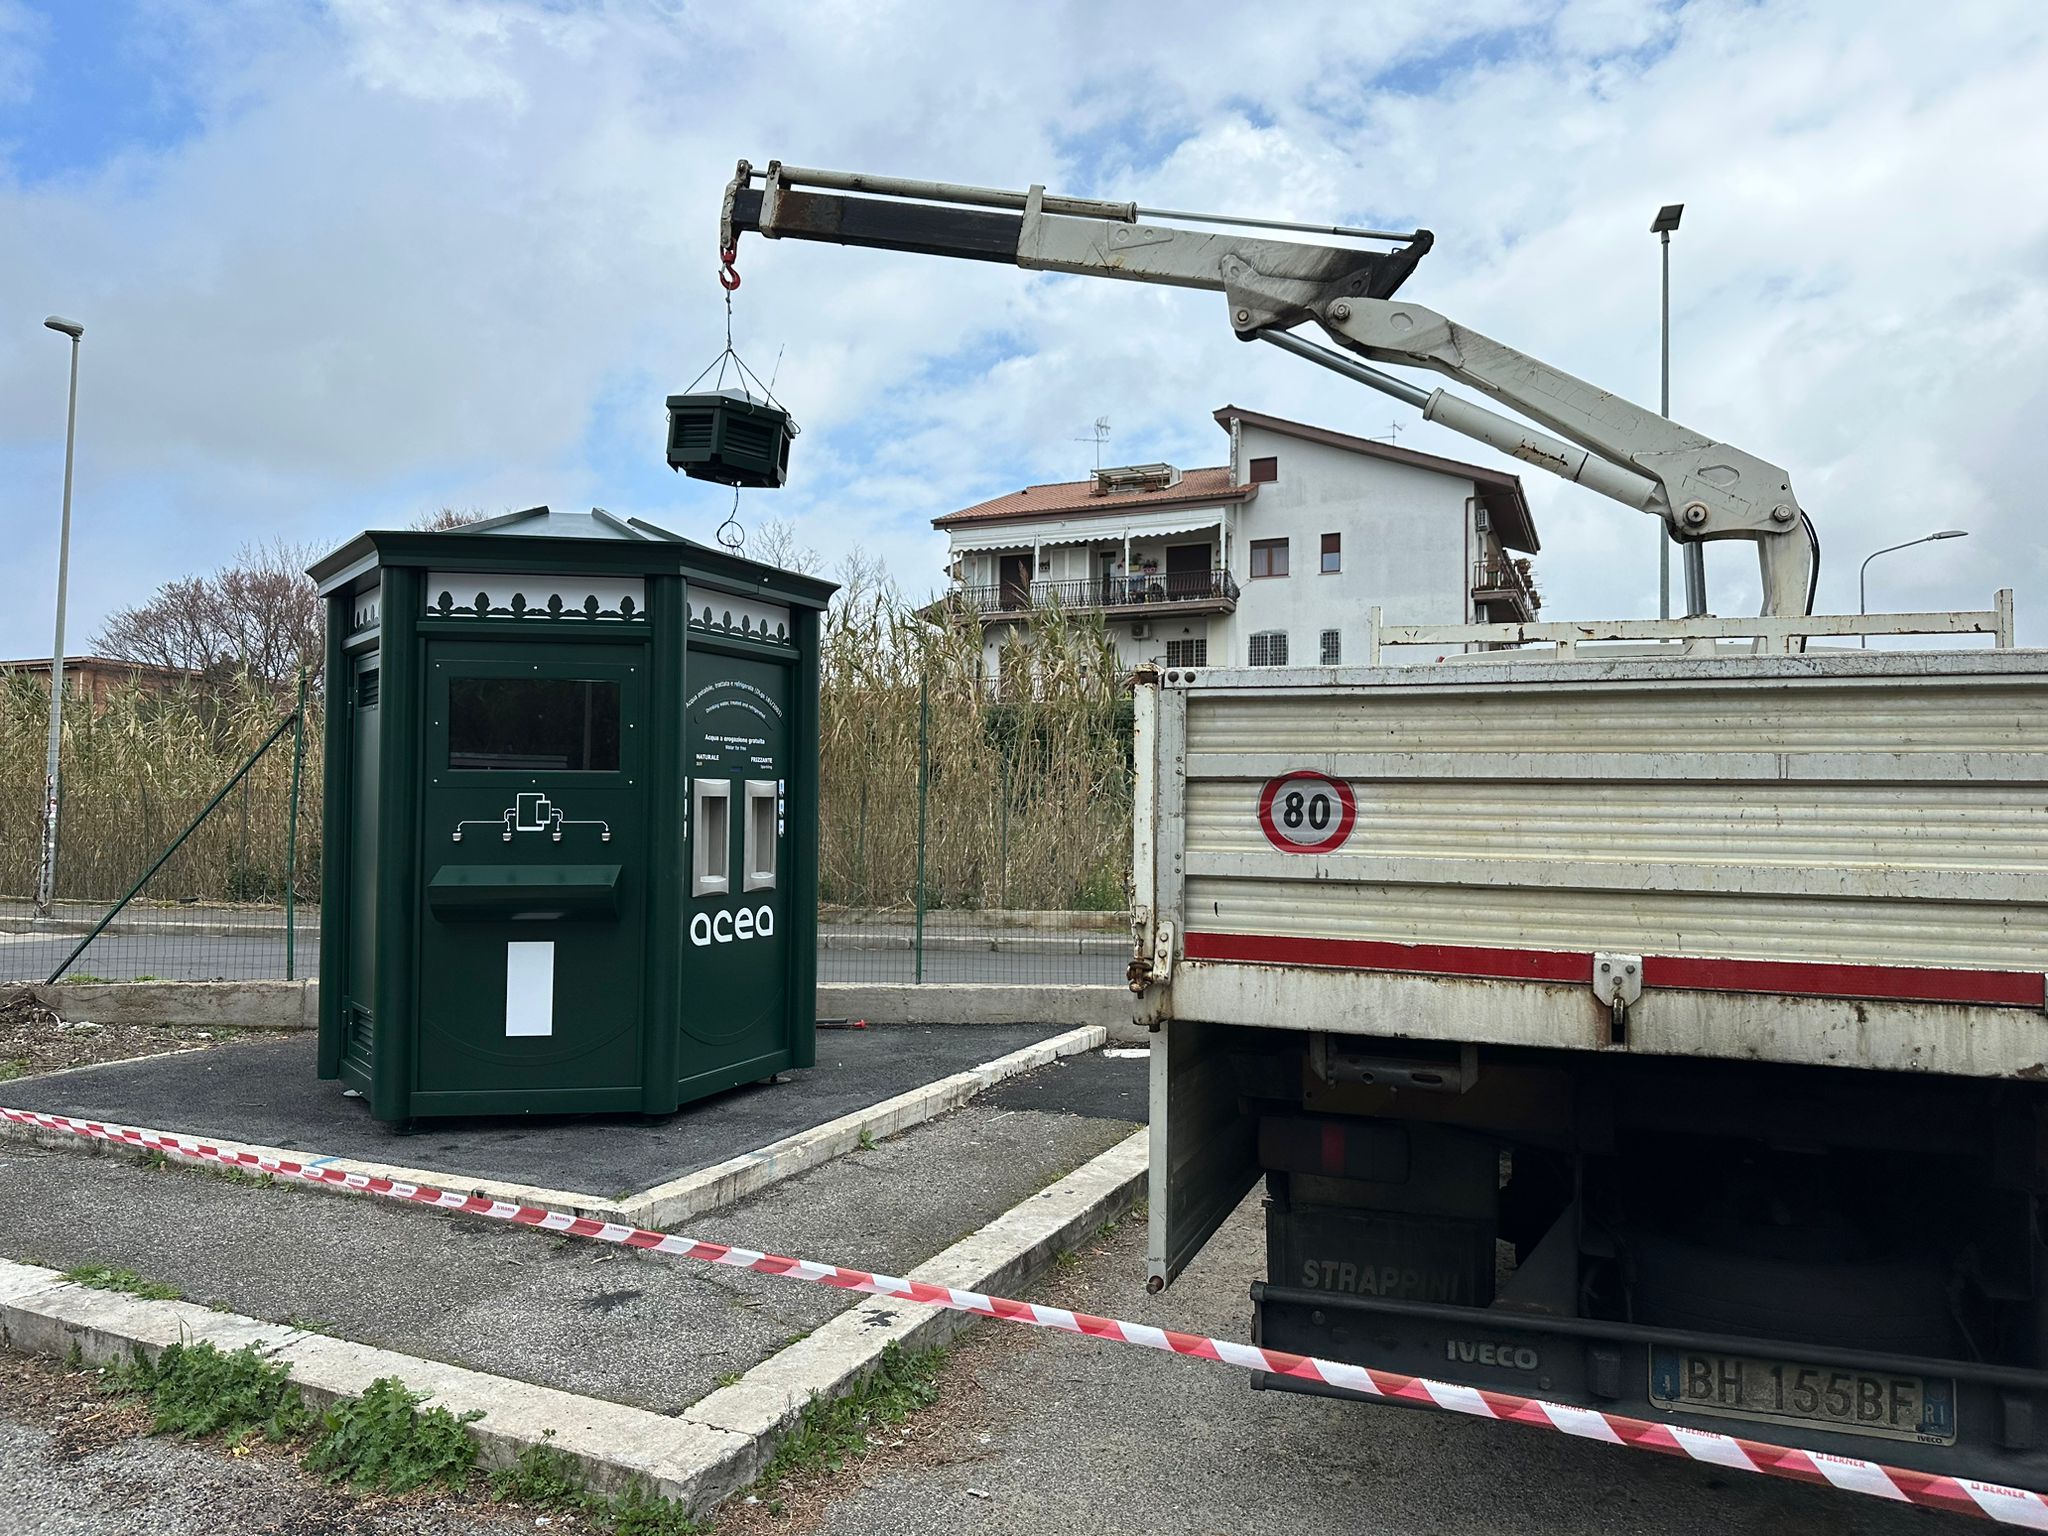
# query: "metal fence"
[188,846]
[963,840]
[985,852]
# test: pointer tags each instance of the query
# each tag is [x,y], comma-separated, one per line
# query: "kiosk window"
[533,724]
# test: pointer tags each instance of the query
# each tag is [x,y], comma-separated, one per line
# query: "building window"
[1187,653]
[1269,557]
[1481,518]
[1333,553]
[1333,647]
[1263,471]
[1269,648]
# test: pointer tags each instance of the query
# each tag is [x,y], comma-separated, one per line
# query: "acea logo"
[733,927]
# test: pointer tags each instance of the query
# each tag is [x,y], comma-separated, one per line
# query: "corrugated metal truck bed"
[1862,838]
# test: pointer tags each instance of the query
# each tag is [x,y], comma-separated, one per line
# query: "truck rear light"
[1334,1147]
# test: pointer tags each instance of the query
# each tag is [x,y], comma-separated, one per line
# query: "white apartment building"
[1274,559]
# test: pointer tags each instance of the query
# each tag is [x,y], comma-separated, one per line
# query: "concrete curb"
[614,1445]
[723,1183]
[206,1004]
[1002,1258]
[711,1450]
[1113,1008]
[707,1189]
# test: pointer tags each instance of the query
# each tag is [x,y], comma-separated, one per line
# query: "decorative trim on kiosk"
[567,598]
[364,609]
[723,613]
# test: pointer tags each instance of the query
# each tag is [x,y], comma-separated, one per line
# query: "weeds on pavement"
[386,1440]
[833,1431]
[196,1390]
[383,1441]
[545,1478]
[102,1277]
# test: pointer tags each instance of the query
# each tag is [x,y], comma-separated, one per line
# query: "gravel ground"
[73,1463]
[1050,1433]
[34,1040]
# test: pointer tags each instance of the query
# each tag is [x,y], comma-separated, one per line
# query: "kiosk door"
[736,966]
[534,856]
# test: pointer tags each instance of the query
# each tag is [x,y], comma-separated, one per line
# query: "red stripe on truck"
[1904,983]
[1797,978]
[1374,955]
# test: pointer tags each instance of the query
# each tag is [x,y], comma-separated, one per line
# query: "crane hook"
[728,274]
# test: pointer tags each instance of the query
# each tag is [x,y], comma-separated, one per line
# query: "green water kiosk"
[571,818]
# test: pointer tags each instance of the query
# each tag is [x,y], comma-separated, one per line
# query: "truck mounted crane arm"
[1703,489]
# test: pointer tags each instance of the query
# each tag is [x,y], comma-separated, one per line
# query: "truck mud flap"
[1205,1144]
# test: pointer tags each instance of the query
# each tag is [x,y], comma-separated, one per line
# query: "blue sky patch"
[107,79]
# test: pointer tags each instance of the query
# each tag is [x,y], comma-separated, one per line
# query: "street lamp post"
[1695,556]
[46,872]
[1863,571]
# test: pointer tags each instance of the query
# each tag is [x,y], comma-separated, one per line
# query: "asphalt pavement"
[1053,1433]
[610,1322]
[267,1091]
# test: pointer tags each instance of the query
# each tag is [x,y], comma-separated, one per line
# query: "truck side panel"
[1868,833]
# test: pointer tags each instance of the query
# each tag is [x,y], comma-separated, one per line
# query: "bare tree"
[260,614]
[775,542]
[446,518]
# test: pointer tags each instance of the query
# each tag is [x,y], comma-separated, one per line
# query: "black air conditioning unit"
[729,437]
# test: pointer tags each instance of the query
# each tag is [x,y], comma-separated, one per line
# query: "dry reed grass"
[135,771]
[1028,801]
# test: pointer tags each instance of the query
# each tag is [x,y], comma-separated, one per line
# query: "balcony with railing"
[1113,596]
[1499,583]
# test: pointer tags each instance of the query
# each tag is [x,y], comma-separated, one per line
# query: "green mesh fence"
[183,851]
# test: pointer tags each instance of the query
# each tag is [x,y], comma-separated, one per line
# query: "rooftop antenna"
[1098,437]
[1393,431]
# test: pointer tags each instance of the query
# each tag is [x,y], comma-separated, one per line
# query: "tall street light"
[1863,571]
[1695,555]
[46,873]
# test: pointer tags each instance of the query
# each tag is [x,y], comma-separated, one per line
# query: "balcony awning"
[1089,530]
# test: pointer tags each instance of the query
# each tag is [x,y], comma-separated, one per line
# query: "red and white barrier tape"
[2008,1506]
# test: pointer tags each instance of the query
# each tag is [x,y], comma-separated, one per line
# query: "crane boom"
[1702,488]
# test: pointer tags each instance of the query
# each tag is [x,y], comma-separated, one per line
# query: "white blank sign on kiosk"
[529,988]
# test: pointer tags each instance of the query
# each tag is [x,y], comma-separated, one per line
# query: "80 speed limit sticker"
[1306,812]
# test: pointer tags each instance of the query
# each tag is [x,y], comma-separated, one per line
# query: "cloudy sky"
[341,263]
